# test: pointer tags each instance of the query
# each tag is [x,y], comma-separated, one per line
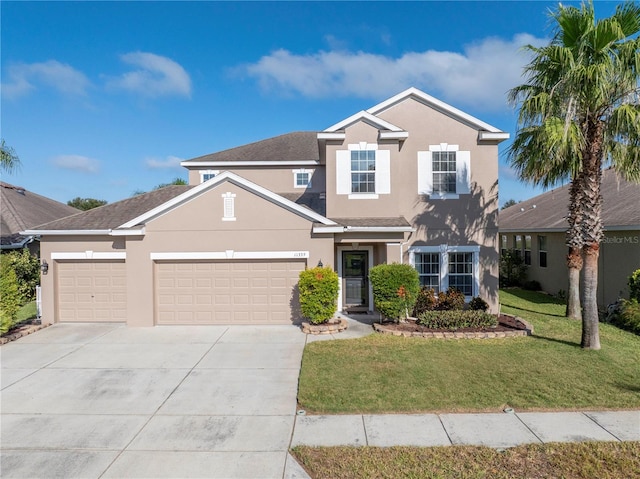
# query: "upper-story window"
[206,175]
[363,171]
[444,172]
[302,178]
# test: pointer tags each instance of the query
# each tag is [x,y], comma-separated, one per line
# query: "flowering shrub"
[395,289]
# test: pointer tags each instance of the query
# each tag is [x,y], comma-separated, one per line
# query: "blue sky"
[100,99]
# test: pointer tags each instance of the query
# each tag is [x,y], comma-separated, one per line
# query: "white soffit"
[228,255]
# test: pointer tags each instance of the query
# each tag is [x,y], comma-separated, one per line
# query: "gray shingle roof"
[548,211]
[314,201]
[21,209]
[115,214]
[297,146]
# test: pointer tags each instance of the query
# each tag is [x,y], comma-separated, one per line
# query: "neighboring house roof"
[21,209]
[122,216]
[298,148]
[548,211]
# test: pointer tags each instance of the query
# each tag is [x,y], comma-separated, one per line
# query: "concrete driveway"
[106,401]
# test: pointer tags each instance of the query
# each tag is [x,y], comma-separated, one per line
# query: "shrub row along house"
[536,229]
[411,180]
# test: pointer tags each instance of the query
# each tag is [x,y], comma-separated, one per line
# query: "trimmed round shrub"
[395,289]
[456,319]
[318,294]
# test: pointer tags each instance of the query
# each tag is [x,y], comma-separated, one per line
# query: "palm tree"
[9,161]
[579,113]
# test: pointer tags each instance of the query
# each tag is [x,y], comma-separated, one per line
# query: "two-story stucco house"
[410,180]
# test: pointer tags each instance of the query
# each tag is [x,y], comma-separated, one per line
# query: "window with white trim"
[527,249]
[363,171]
[461,272]
[542,251]
[229,207]
[428,266]
[206,175]
[441,267]
[444,172]
[302,178]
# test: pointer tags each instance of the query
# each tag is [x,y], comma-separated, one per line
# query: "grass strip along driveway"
[549,370]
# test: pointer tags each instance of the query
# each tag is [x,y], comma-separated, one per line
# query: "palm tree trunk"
[574,264]
[591,231]
[590,326]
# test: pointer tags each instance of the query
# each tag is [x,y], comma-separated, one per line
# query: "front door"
[355,270]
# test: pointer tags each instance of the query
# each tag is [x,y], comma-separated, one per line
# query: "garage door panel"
[91,291]
[226,292]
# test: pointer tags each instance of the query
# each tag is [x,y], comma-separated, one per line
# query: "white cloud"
[154,76]
[168,162]
[24,78]
[80,163]
[479,76]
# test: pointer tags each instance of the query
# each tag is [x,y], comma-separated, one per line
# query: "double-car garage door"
[185,292]
[226,292]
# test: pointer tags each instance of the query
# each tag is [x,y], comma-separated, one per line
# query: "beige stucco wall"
[278,180]
[196,226]
[469,220]
[619,257]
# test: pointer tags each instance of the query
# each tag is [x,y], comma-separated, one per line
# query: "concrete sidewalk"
[499,430]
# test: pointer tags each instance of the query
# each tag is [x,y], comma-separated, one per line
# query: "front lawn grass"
[587,460]
[549,370]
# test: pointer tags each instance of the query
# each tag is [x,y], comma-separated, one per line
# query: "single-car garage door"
[92,291]
[226,292]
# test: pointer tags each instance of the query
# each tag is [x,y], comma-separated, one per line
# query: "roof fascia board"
[394,135]
[490,135]
[330,135]
[227,255]
[363,229]
[363,116]
[435,103]
[249,163]
[212,183]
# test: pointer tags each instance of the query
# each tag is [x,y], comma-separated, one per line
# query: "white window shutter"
[463,172]
[425,173]
[383,172]
[343,172]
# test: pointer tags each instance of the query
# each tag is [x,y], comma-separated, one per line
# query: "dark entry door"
[355,270]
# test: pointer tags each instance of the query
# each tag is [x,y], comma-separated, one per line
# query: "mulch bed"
[22,329]
[505,323]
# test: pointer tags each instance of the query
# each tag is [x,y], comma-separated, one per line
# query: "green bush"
[427,301]
[634,285]
[456,319]
[318,294]
[395,289]
[628,316]
[532,285]
[512,269]
[451,300]
[27,269]
[478,304]
[9,296]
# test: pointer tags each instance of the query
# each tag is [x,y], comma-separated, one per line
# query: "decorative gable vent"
[229,206]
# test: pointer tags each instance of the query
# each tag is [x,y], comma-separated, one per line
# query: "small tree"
[395,289]
[512,268]
[27,270]
[85,204]
[318,294]
[9,295]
